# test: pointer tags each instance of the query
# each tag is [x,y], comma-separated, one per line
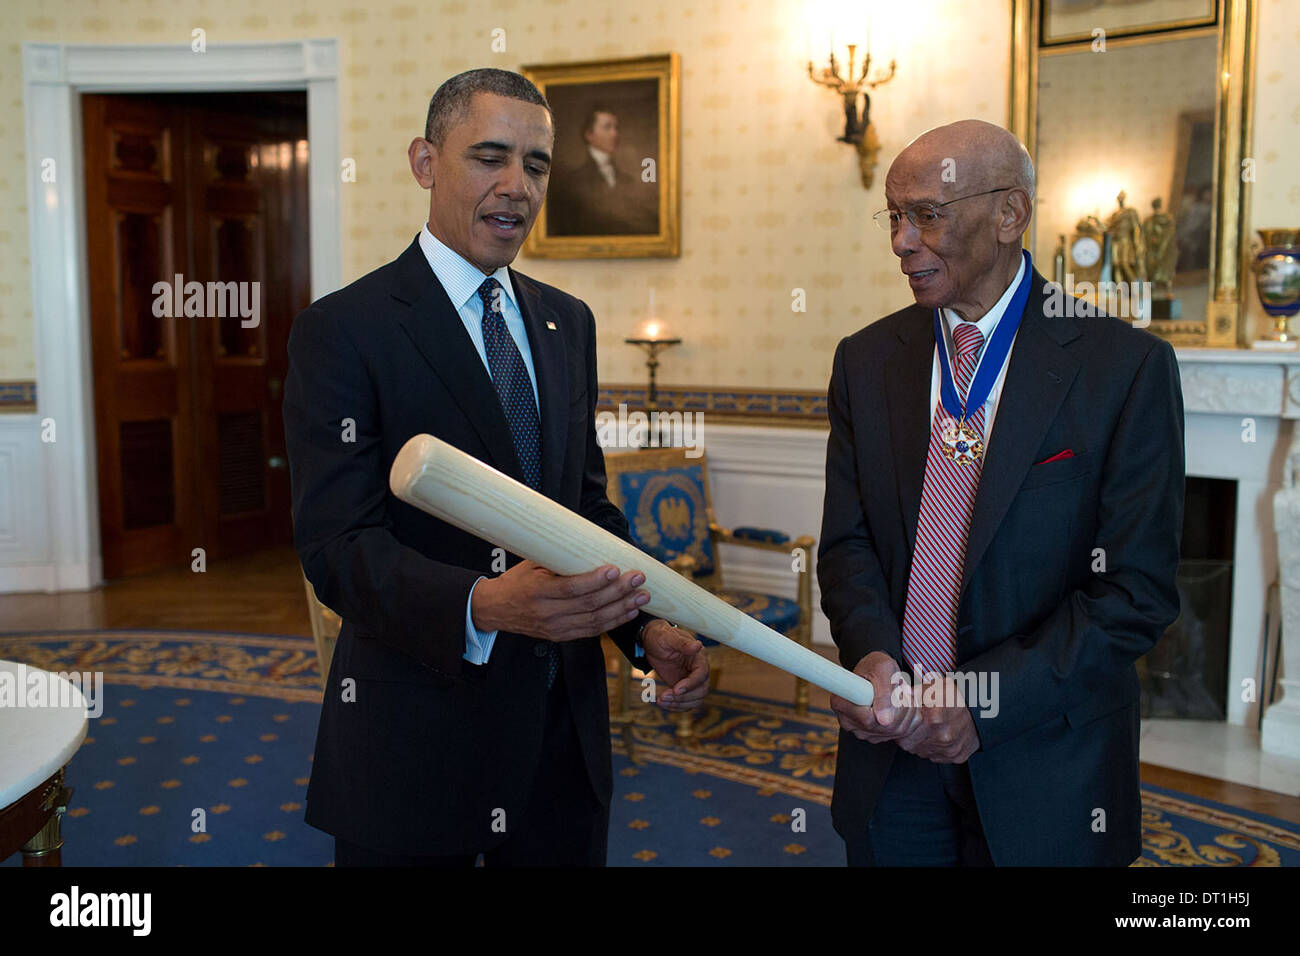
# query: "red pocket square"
[1059,456]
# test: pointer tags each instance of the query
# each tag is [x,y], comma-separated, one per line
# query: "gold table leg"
[46,847]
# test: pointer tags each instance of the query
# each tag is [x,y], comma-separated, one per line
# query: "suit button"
[541,650]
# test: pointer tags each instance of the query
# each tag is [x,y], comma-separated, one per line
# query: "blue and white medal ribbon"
[961,443]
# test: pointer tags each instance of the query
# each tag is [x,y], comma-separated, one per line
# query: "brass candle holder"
[653,336]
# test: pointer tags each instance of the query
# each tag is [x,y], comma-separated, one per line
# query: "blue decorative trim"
[17,396]
[796,407]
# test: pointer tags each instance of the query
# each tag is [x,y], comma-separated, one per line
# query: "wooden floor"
[263,593]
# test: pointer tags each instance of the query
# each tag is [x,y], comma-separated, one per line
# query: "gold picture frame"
[615,186]
[1196,14]
[1236,28]
[1193,264]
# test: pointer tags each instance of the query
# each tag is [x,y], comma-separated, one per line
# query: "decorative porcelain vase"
[1277,278]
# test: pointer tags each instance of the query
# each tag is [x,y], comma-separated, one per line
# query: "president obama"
[465,712]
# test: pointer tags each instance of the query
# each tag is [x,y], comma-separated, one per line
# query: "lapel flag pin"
[551,326]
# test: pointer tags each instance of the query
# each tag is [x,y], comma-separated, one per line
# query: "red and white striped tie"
[947,498]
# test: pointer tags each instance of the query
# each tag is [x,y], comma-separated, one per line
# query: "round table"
[43,721]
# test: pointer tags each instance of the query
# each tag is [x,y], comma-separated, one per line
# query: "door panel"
[249,201]
[190,437]
[143,392]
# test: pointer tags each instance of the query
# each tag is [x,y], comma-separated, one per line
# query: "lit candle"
[652,330]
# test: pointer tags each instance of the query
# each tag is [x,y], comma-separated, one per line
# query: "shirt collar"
[458,276]
[990,319]
[601,157]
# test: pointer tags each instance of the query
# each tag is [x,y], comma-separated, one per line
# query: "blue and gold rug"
[203,753]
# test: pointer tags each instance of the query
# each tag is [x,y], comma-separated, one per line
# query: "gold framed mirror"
[1159,111]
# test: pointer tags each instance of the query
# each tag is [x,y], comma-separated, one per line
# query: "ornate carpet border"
[182,660]
[1213,816]
[289,641]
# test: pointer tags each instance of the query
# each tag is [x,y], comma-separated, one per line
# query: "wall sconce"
[653,336]
[858,130]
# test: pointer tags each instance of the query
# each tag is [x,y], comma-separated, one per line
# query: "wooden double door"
[204,195]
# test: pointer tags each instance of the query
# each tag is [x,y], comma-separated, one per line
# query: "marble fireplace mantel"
[1246,381]
[1240,406]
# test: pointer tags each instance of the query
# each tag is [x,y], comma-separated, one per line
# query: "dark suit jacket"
[1061,638]
[432,745]
[580,203]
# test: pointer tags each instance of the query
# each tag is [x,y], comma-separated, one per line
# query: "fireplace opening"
[1186,674]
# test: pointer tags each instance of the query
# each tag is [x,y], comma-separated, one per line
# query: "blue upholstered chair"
[665,497]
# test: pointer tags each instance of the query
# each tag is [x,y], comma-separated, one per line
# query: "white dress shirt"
[604,162]
[986,326]
[461,280]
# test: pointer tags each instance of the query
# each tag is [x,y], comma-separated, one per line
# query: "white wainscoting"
[769,478]
[26,559]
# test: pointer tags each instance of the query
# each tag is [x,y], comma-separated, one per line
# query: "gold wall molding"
[1237,29]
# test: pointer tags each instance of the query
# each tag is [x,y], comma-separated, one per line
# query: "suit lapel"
[435,328]
[907,391]
[547,344]
[1038,377]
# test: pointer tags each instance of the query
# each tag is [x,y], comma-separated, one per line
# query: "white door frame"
[62,547]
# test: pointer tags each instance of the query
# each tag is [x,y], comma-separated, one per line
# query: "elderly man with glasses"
[995,585]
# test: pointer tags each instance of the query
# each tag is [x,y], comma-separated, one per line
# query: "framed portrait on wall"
[614,190]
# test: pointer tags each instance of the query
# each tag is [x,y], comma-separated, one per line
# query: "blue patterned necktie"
[515,390]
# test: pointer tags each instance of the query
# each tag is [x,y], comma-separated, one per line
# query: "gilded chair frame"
[325,626]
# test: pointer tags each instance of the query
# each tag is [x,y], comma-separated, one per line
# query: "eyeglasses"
[923,214]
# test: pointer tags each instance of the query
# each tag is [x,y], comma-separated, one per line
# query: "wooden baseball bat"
[461,490]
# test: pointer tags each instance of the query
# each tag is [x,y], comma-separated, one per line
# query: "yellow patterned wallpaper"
[1275,194]
[770,202]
